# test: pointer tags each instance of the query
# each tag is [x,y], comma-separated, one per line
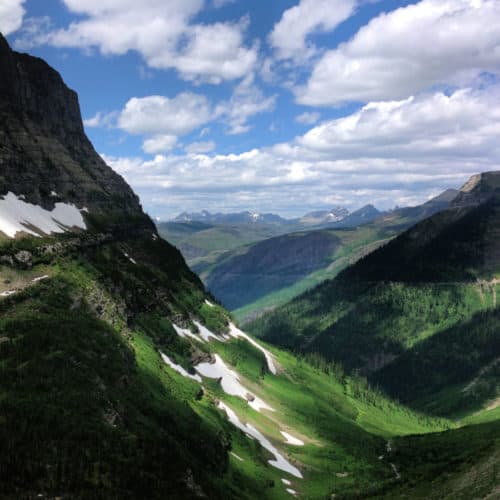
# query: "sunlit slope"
[87,389]
[418,315]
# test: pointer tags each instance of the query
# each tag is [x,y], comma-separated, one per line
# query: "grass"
[88,394]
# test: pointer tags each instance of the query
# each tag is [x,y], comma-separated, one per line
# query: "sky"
[281,106]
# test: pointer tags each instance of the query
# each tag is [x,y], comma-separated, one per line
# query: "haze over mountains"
[316,218]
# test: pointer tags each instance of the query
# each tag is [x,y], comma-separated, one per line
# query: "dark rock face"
[478,189]
[44,152]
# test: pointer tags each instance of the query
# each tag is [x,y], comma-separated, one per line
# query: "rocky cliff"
[478,189]
[45,156]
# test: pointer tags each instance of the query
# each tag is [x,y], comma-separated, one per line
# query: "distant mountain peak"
[245,217]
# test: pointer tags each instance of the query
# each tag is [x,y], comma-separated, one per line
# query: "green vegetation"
[426,333]
[88,407]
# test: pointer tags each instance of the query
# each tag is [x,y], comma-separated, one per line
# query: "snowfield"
[280,462]
[230,382]
[237,333]
[292,440]
[17,216]
[179,369]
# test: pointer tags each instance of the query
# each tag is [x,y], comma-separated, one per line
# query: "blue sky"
[283,106]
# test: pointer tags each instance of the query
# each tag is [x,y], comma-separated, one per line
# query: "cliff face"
[44,152]
[478,189]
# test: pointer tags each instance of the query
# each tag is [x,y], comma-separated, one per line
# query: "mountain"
[230,218]
[321,217]
[121,378]
[418,315]
[256,277]
[364,215]
[45,156]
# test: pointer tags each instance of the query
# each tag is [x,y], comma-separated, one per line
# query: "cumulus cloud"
[308,118]
[200,147]
[387,153]
[289,36]
[246,101]
[459,126]
[159,144]
[11,15]
[101,119]
[433,42]
[160,115]
[162,32]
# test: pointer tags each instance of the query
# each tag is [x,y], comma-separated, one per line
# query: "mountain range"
[123,378]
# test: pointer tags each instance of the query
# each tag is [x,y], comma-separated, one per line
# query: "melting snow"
[184,332]
[280,462]
[179,369]
[16,214]
[237,457]
[287,482]
[292,440]
[129,258]
[230,382]
[40,278]
[7,293]
[236,332]
[292,492]
[206,333]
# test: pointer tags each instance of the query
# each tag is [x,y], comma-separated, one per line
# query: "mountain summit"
[47,162]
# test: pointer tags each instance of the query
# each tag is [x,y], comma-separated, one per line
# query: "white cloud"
[159,115]
[159,144]
[461,126]
[289,36]
[433,42]
[101,119]
[308,118]
[387,153]
[162,32]
[11,15]
[247,101]
[200,147]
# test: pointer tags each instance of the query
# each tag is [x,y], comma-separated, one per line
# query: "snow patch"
[237,457]
[292,440]
[186,333]
[208,303]
[129,258]
[292,492]
[230,382]
[7,293]
[287,482]
[179,369]
[40,278]
[206,334]
[16,215]
[280,462]
[237,333]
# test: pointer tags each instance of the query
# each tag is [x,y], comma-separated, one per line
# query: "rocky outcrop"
[44,152]
[478,189]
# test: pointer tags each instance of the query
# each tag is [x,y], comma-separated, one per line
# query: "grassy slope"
[88,408]
[400,313]
[202,244]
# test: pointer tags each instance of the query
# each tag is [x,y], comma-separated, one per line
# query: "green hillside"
[255,278]
[418,315]
[94,380]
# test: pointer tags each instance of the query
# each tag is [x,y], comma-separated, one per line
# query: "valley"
[337,355]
